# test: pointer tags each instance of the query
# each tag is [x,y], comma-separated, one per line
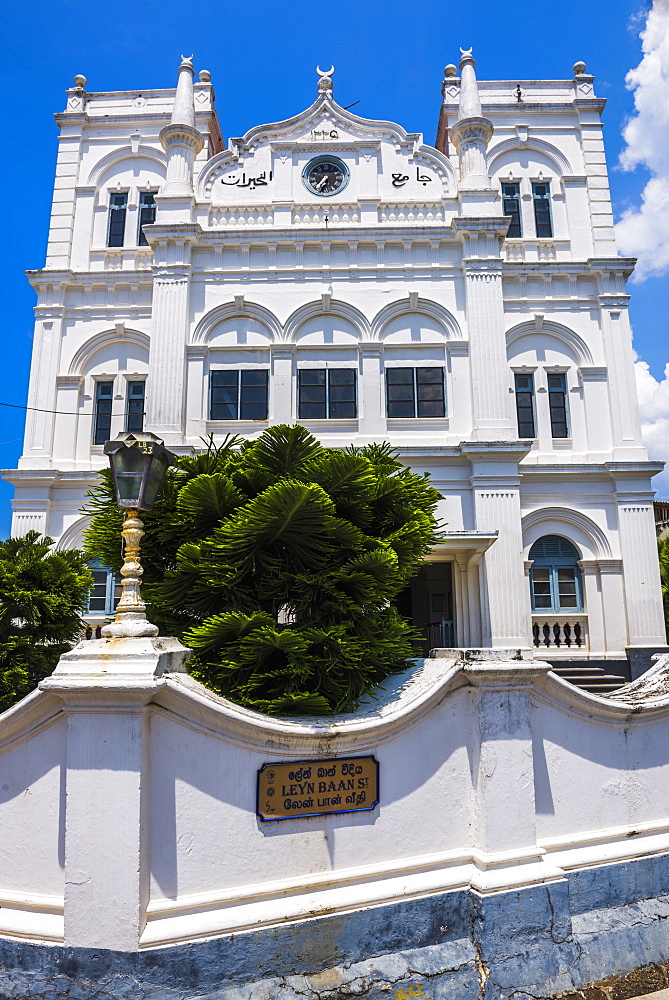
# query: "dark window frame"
[564,561]
[146,216]
[329,405]
[118,211]
[102,411]
[394,389]
[557,405]
[511,206]
[133,412]
[527,422]
[246,384]
[541,200]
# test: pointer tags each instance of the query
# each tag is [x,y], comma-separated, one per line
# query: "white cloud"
[643,232]
[654,408]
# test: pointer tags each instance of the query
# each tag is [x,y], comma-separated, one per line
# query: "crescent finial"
[327,73]
[466,52]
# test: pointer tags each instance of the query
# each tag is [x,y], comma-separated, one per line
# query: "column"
[504,827]
[596,406]
[196,393]
[491,399]
[68,388]
[643,596]
[460,403]
[38,438]
[106,687]
[371,405]
[281,407]
[592,594]
[165,389]
[613,606]
[617,340]
[495,483]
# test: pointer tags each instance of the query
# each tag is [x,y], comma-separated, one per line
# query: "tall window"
[118,206]
[415,392]
[511,206]
[326,392]
[147,215]
[525,405]
[134,407]
[542,209]
[557,401]
[238,395]
[106,592]
[555,577]
[104,395]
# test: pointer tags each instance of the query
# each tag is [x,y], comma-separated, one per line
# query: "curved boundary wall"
[519,848]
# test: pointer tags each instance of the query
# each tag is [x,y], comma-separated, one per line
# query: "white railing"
[567,633]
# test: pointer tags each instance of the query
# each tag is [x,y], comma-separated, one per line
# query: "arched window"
[555,578]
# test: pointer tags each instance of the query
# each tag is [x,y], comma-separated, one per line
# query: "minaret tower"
[182,142]
[172,238]
[471,133]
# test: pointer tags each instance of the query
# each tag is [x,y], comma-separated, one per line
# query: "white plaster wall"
[32,805]
[204,829]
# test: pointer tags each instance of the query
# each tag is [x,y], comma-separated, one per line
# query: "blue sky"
[389,56]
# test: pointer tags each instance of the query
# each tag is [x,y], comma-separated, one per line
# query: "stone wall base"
[598,934]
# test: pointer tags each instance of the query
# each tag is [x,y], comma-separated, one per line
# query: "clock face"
[325,175]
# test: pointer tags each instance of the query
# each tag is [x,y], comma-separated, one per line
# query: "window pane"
[342,403]
[254,395]
[541,587]
[117,210]
[525,405]
[430,392]
[400,408]
[542,211]
[396,392]
[103,410]
[134,417]
[224,395]
[147,214]
[312,376]
[312,390]
[399,376]
[511,206]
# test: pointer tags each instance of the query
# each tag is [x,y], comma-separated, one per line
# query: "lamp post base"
[129,625]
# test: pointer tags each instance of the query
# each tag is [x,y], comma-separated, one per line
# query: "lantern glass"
[138,463]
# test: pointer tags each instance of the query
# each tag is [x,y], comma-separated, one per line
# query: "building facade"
[463,301]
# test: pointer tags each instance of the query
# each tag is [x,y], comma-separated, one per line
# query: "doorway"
[428,604]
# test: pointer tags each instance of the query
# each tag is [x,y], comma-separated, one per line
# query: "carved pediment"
[375,160]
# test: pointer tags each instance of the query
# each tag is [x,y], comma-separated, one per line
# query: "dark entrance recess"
[428,603]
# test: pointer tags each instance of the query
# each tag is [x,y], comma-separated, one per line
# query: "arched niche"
[543,348]
[239,331]
[326,329]
[574,526]
[413,328]
[112,351]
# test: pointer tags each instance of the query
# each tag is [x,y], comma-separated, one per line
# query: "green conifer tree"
[42,593]
[278,560]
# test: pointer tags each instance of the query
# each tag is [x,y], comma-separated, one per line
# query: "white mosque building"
[463,301]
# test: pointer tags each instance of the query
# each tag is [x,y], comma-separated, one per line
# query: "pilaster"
[165,404]
[491,401]
[371,405]
[505,600]
[281,402]
[106,685]
[638,545]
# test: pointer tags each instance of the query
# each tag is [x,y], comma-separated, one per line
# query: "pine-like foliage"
[42,593]
[663,553]
[278,561]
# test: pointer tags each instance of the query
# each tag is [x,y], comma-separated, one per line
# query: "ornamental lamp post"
[138,466]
